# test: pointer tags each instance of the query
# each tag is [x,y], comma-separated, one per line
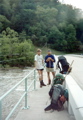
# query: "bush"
[14,52]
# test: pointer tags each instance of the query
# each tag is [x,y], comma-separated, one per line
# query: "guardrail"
[75,105]
[24,95]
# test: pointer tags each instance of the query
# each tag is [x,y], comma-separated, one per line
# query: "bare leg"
[40,75]
[53,73]
[41,78]
[49,80]
[48,74]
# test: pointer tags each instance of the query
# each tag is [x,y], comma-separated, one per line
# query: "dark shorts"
[40,69]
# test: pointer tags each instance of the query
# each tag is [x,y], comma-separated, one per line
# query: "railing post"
[0,110]
[34,79]
[26,105]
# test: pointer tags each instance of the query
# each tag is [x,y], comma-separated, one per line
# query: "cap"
[38,50]
[49,50]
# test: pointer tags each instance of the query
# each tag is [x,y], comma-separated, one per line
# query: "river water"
[9,78]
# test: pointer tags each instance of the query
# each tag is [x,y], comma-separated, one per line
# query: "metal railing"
[24,94]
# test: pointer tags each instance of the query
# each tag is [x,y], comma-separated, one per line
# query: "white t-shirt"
[39,63]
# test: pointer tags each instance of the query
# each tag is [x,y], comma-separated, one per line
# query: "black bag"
[64,64]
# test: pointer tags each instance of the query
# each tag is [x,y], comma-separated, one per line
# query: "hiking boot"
[49,82]
[42,84]
[48,108]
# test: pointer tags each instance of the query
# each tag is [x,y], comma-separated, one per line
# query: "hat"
[49,50]
[38,50]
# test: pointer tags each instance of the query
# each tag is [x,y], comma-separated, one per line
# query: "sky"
[76,3]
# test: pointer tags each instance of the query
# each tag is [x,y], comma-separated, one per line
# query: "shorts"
[40,69]
[50,69]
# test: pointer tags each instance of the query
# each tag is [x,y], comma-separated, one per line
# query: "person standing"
[49,60]
[39,65]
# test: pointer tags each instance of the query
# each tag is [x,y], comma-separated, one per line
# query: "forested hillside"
[27,22]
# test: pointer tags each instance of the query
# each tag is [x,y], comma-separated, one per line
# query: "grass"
[45,49]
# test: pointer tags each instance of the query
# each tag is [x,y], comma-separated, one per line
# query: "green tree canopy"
[41,21]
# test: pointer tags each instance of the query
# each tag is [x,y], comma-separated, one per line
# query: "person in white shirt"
[39,65]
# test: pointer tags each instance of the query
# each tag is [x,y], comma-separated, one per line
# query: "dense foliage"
[39,21]
[15,50]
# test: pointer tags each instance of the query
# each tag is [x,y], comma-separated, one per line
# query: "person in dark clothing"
[62,64]
[49,60]
[58,97]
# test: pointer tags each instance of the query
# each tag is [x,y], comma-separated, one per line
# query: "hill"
[28,23]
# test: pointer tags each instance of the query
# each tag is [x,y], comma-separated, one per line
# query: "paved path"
[38,100]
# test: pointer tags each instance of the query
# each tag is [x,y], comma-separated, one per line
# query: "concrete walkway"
[37,101]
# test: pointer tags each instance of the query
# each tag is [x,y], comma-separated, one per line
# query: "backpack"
[55,93]
[59,79]
[63,60]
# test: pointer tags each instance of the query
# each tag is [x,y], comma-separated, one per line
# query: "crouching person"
[63,65]
[58,97]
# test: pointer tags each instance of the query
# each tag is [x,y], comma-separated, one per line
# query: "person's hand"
[62,98]
[50,58]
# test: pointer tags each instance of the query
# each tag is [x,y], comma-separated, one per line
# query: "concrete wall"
[75,104]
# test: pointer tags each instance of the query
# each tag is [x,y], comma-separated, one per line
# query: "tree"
[72,45]
[54,35]
[42,21]
[13,51]
[79,30]
[4,22]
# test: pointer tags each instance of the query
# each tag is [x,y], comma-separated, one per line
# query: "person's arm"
[35,64]
[52,58]
[35,61]
[46,59]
